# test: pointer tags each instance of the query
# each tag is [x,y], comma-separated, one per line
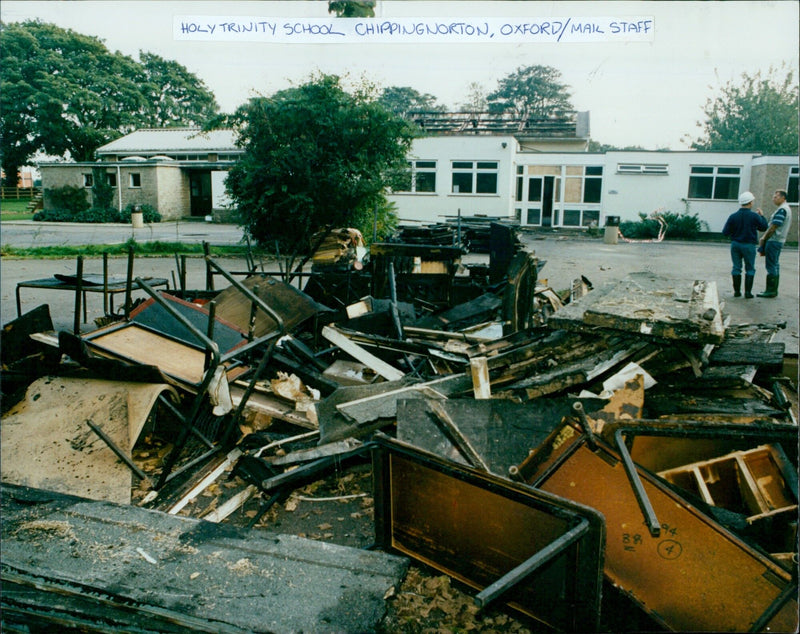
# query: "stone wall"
[764,180]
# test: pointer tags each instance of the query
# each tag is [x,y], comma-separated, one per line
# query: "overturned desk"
[81,284]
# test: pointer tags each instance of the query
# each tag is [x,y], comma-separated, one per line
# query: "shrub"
[54,215]
[68,198]
[96,215]
[679,226]
[149,213]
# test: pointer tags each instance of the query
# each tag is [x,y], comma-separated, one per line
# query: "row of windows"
[134,179]
[583,184]
[572,217]
[468,177]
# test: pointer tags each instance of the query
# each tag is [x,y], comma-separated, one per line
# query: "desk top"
[114,286]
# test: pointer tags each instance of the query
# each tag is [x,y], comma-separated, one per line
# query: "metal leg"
[650,518]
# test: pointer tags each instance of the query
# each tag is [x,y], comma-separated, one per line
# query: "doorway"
[200,193]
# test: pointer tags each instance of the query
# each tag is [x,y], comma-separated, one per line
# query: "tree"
[532,91]
[476,98]
[64,94]
[403,100]
[315,156]
[596,146]
[352,8]
[757,113]
[176,96]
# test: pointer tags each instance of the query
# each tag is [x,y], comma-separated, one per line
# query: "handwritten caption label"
[412,30]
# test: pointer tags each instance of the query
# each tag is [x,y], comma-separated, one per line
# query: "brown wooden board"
[477,528]
[292,305]
[138,344]
[695,576]
[47,443]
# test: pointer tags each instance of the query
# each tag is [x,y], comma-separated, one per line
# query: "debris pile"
[573,455]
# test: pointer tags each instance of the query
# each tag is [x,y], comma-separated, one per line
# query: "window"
[88,181]
[135,180]
[584,184]
[111,179]
[714,183]
[572,217]
[420,178]
[791,185]
[520,179]
[641,168]
[590,218]
[534,216]
[479,177]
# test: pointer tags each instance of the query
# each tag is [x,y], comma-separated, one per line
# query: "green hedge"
[96,214]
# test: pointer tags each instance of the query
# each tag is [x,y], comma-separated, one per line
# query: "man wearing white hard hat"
[742,228]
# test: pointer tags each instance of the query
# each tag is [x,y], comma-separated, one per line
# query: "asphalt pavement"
[566,257]
[28,234]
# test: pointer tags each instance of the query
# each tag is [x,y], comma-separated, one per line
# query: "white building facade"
[492,176]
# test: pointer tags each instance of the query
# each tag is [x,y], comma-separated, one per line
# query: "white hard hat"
[746,197]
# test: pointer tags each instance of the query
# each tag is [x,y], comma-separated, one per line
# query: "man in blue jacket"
[742,228]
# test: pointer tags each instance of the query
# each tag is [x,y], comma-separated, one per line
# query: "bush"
[96,215]
[68,198]
[149,213]
[679,227]
[54,215]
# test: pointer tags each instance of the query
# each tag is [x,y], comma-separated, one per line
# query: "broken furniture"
[541,554]
[650,304]
[678,565]
[82,283]
[72,563]
[24,359]
[200,353]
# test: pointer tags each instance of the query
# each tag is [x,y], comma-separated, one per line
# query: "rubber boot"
[748,286]
[772,286]
[737,285]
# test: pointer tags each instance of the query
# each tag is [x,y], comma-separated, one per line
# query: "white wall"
[623,194]
[219,196]
[434,207]
[626,195]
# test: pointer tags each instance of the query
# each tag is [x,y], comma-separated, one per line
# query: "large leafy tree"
[403,100]
[174,95]
[64,94]
[531,91]
[757,113]
[315,156]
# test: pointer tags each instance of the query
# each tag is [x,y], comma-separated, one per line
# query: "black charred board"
[64,556]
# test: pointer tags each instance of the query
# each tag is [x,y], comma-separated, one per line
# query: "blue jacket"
[744,225]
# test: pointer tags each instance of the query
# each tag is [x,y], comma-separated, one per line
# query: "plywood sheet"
[138,344]
[45,441]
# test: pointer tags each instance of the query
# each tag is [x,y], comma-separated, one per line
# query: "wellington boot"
[748,286]
[772,286]
[737,285]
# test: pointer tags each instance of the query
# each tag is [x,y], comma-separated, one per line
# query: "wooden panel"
[143,346]
[695,576]
[46,442]
[477,528]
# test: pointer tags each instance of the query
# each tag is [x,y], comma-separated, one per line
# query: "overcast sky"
[648,93]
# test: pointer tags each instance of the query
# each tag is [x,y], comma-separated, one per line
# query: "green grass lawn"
[13,209]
